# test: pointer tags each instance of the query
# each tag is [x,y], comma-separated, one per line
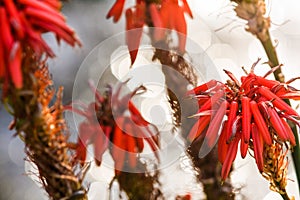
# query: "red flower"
[135,19]
[108,127]
[22,23]
[167,14]
[116,10]
[256,115]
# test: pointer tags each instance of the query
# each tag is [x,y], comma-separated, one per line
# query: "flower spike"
[256,116]
[123,135]
[166,14]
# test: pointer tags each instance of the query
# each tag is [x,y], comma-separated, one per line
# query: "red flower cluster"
[167,14]
[107,127]
[22,23]
[256,115]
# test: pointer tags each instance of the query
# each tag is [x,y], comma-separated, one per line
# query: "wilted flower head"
[256,116]
[113,122]
[22,24]
[167,14]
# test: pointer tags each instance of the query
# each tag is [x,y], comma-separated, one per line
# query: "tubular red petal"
[204,113]
[5,31]
[67,35]
[181,28]
[35,40]
[289,132]
[290,95]
[278,103]
[247,82]
[291,118]
[136,115]
[167,13]
[116,10]
[236,127]
[264,109]
[232,151]
[231,117]
[42,6]
[134,24]
[243,146]
[131,151]
[2,61]
[246,119]
[151,139]
[222,144]
[54,23]
[261,124]
[277,124]
[203,100]
[15,65]
[45,16]
[258,147]
[118,134]
[214,126]
[265,82]
[186,8]
[54,4]
[118,148]
[14,18]
[131,146]
[159,33]
[199,127]
[202,88]
[215,98]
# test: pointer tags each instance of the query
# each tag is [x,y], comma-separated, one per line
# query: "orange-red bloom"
[255,116]
[22,23]
[167,14]
[108,127]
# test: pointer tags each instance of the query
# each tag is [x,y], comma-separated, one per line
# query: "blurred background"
[214,28]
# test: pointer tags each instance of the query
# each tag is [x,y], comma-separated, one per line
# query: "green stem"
[272,56]
[273,62]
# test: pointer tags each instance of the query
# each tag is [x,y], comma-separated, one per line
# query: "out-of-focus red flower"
[135,20]
[22,24]
[253,112]
[164,14]
[116,10]
[114,123]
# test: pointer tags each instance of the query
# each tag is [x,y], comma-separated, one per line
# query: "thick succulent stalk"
[140,185]
[43,129]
